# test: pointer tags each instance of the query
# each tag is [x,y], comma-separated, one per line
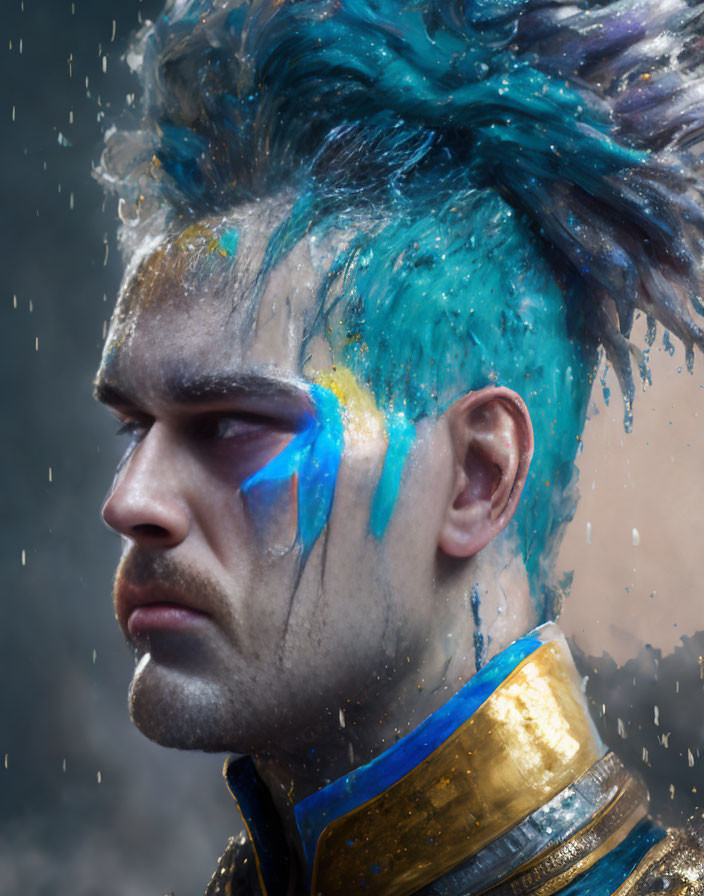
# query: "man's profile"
[373,250]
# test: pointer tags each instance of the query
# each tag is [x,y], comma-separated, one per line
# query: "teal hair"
[521,177]
[457,297]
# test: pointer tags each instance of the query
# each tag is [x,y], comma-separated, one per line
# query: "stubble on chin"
[176,710]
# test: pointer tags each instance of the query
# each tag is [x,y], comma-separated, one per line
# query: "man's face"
[243,631]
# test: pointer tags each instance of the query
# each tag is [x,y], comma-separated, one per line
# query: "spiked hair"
[585,119]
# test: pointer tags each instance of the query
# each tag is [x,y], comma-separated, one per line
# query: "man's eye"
[238,444]
[238,426]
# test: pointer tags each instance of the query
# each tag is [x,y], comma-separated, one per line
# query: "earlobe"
[492,442]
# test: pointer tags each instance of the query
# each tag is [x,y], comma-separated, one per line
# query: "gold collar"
[523,747]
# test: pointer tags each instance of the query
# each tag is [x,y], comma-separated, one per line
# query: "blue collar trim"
[611,872]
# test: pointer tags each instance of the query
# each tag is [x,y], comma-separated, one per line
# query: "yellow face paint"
[362,418]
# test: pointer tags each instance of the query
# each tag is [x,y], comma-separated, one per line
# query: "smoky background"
[87,805]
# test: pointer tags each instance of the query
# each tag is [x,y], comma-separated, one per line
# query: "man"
[372,251]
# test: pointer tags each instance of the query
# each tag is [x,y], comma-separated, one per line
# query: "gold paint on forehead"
[175,261]
[197,236]
[528,741]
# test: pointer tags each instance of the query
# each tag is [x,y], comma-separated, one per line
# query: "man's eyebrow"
[200,388]
[186,389]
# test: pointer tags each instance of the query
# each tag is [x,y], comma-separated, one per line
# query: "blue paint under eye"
[229,242]
[313,458]
[401,435]
[318,472]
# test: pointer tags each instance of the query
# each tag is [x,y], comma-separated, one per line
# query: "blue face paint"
[311,461]
[401,435]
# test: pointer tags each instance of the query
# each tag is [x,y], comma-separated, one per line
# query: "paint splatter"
[310,460]
[228,243]
[480,646]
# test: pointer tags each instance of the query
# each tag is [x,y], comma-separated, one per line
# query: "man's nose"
[147,502]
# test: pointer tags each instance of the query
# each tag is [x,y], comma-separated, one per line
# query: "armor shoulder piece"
[236,873]
[675,866]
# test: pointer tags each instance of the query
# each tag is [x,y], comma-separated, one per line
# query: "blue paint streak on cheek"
[401,435]
[313,457]
[318,474]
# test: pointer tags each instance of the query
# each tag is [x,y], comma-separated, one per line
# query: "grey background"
[158,819]
[88,806]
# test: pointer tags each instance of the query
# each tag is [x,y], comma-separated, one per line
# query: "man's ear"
[492,442]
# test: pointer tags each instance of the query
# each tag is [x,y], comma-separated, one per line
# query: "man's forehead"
[204,261]
[200,310]
[185,384]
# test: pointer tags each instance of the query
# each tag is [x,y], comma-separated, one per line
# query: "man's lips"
[141,609]
[161,617]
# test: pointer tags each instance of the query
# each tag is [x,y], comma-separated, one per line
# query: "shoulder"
[674,866]
[236,873]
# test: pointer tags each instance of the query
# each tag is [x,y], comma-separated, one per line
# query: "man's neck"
[471,626]
[509,767]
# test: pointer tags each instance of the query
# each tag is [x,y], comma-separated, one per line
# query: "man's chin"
[178,709]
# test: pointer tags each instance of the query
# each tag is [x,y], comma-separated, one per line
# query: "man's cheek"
[271,506]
